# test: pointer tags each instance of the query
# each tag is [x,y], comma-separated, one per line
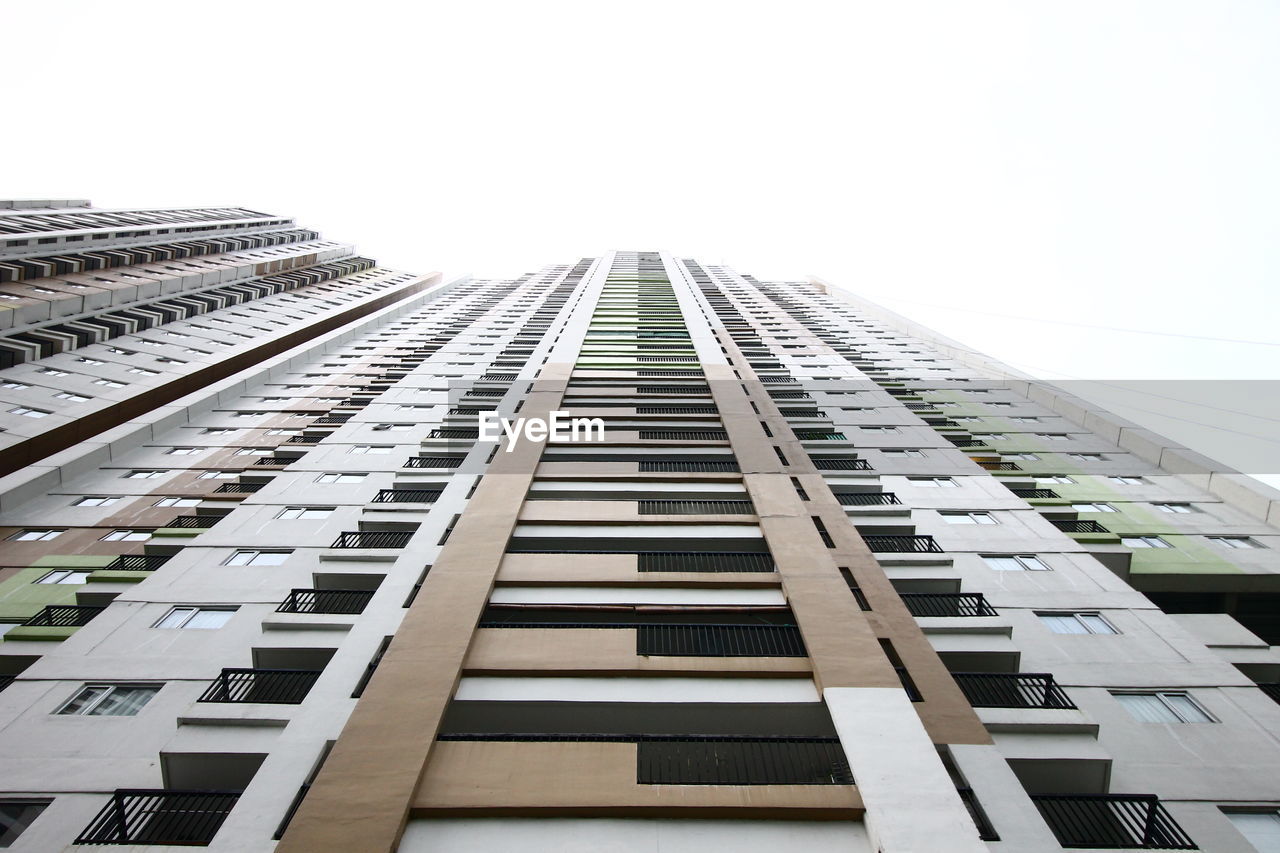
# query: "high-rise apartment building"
[825,581]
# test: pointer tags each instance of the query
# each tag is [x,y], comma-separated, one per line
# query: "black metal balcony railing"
[655,466]
[180,818]
[818,435]
[238,488]
[801,413]
[683,435]
[676,410]
[416,496]
[333,419]
[712,759]
[704,561]
[1035,494]
[272,686]
[1012,690]
[198,522]
[665,507]
[137,562]
[991,465]
[498,377]
[720,640]
[867,498]
[830,464]
[455,432]
[885,544]
[264,461]
[947,604]
[433,461]
[342,601]
[1072,525]
[372,539]
[986,831]
[64,616]
[1112,821]
[964,441]
[653,373]
[6,680]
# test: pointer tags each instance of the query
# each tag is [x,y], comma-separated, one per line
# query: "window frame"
[88,709]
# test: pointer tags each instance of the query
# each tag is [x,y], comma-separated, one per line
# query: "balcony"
[990,465]
[818,435]
[683,435]
[238,488]
[372,539]
[341,601]
[668,466]
[712,759]
[1012,690]
[137,562]
[451,461]
[1272,690]
[919,544]
[720,640]
[457,433]
[834,464]
[6,680]
[275,461]
[399,496]
[704,561]
[867,499]
[1036,494]
[669,507]
[270,686]
[947,604]
[1112,822]
[63,616]
[193,522]
[1072,525]
[179,818]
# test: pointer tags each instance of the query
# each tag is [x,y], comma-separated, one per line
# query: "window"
[257,558]
[968,518]
[144,475]
[393,427]
[283,432]
[109,700]
[183,451]
[127,536]
[1014,563]
[35,535]
[30,413]
[1086,457]
[177,502]
[878,429]
[1126,481]
[110,383]
[1261,829]
[306,512]
[1243,543]
[17,815]
[65,576]
[1092,507]
[255,451]
[14,386]
[933,482]
[84,360]
[53,371]
[1076,623]
[218,475]
[911,454]
[372,448]
[1144,542]
[142,371]
[1053,436]
[219,431]
[1163,707]
[1026,457]
[91,500]
[196,618]
[1176,509]
[1023,420]
[1052,479]
[340,478]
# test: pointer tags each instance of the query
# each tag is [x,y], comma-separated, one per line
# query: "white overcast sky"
[969,164]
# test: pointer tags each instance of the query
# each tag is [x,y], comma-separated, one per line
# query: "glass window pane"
[123,702]
[1004,564]
[1146,708]
[207,619]
[15,817]
[1063,623]
[1186,708]
[269,558]
[84,699]
[1095,623]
